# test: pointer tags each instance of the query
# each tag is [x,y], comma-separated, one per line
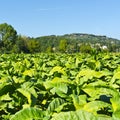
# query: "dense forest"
[11,42]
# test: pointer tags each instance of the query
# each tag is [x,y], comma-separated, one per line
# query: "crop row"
[60,87]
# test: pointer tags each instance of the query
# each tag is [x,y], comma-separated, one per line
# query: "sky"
[36,18]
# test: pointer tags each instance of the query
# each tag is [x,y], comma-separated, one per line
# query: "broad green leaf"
[97,83]
[26,106]
[86,72]
[116,115]
[95,91]
[5,97]
[74,115]
[57,69]
[18,80]
[116,76]
[30,72]
[89,74]
[26,94]
[55,105]
[57,85]
[29,92]
[29,114]
[99,74]
[106,57]
[79,101]
[78,115]
[61,90]
[29,86]
[115,103]
[95,106]
[59,80]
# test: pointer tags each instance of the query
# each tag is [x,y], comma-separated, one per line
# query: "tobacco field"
[60,86]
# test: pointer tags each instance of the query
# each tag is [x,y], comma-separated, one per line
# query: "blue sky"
[36,18]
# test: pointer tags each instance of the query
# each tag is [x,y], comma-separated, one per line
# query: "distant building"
[104,47]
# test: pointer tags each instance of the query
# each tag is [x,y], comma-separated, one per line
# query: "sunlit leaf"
[29,114]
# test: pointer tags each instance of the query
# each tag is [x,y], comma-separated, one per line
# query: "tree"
[62,45]
[8,36]
[33,46]
[49,49]
[21,44]
[85,48]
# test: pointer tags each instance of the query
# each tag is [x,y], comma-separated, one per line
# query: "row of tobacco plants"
[60,87]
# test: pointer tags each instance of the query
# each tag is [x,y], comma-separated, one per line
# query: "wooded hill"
[78,42]
[11,42]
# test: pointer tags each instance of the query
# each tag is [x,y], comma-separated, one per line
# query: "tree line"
[11,42]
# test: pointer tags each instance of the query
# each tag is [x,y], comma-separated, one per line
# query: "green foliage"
[56,105]
[49,49]
[21,44]
[59,86]
[33,46]
[8,36]
[85,48]
[29,114]
[63,45]
[78,115]
[10,42]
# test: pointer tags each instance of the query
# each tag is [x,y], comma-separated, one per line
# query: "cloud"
[47,9]
[43,9]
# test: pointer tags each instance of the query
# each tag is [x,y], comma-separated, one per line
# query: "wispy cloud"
[42,9]
[47,9]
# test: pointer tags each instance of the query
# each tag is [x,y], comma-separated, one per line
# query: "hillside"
[75,40]
[11,42]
